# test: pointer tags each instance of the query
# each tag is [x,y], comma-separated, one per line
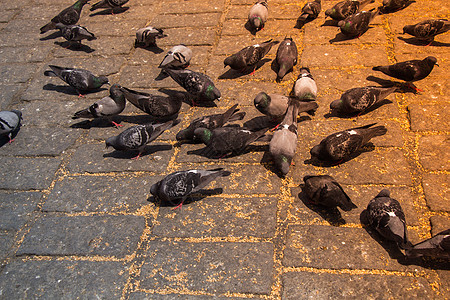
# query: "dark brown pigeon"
[355,25]
[69,16]
[390,6]
[286,57]
[344,9]
[340,145]
[310,11]
[428,29]
[386,216]
[437,246]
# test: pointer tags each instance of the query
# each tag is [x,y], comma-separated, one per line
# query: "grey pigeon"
[410,70]
[176,187]
[358,100]
[146,37]
[75,33]
[159,107]
[106,107]
[79,79]
[286,57]
[437,246]
[109,4]
[10,123]
[344,9]
[390,6]
[137,137]
[310,11]
[178,57]
[324,190]
[284,141]
[305,88]
[386,216]
[69,16]
[249,56]
[355,25]
[428,29]
[258,14]
[340,145]
[195,83]
[275,106]
[210,122]
[224,141]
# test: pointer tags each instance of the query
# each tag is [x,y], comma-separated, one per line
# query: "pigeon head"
[336,104]
[203,134]
[18,113]
[303,72]
[112,142]
[80,3]
[100,80]
[261,101]
[185,134]
[154,189]
[116,92]
[329,12]
[315,151]
[212,92]
[345,26]
[228,61]
[283,163]
[384,193]
[256,22]
[431,61]
[408,29]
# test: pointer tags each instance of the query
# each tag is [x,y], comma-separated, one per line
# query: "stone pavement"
[77,220]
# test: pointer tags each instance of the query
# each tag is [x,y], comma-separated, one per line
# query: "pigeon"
[224,141]
[210,122]
[69,16]
[324,190]
[107,107]
[428,29]
[137,137]
[386,216]
[390,6]
[176,187]
[109,4]
[358,100]
[436,247]
[340,145]
[249,56]
[344,9]
[355,25]
[310,11]
[178,57]
[275,106]
[286,57]
[305,88]
[10,123]
[159,107]
[284,141]
[75,33]
[258,14]
[197,84]
[79,79]
[146,37]
[410,70]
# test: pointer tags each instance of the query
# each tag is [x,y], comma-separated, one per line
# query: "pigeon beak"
[437,64]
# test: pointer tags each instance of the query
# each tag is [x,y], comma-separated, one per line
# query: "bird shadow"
[369,147]
[390,247]
[416,42]
[94,123]
[110,11]
[331,23]
[149,150]
[75,47]
[51,36]
[330,214]
[68,90]
[401,87]
[153,48]
[200,195]
[340,37]
[259,123]
[233,74]
[299,23]
[334,113]
[162,75]
[208,153]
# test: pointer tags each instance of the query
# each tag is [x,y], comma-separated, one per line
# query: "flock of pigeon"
[221,139]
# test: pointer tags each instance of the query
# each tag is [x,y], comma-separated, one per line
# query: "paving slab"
[302,285]
[63,279]
[27,173]
[433,154]
[153,296]
[16,207]
[94,158]
[436,189]
[210,267]
[93,235]
[33,141]
[8,94]
[429,117]
[109,194]
[439,223]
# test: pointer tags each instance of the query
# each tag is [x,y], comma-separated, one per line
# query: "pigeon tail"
[50,73]
[348,205]
[85,113]
[100,4]
[48,27]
